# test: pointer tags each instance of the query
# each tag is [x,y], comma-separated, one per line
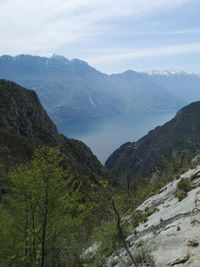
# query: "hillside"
[25,125]
[170,235]
[71,89]
[142,157]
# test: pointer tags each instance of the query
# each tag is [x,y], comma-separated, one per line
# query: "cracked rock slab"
[179,260]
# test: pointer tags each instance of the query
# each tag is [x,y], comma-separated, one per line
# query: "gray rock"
[179,260]
[170,237]
[192,243]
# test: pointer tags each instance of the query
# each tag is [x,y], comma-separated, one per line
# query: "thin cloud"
[145,53]
[177,32]
[35,26]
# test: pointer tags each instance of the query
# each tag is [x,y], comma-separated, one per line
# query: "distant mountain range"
[180,134]
[181,84]
[71,89]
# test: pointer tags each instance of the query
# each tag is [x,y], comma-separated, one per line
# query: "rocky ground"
[172,233]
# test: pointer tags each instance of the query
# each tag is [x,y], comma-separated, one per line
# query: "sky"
[111,35]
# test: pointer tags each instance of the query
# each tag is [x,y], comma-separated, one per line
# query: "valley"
[99,133]
[104,134]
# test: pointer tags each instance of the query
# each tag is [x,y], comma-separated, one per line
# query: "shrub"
[143,257]
[184,185]
[140,216]
[181,195]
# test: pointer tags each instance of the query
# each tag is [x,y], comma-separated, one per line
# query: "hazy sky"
[111,35]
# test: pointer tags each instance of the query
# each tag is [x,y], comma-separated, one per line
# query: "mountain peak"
[168,73]
[63,59]
[59,58]
[127,74]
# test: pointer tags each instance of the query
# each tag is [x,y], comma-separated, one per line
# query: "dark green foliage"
[180,195]
[184,185]
[171,140]
[25,125]
[174,166]
[37,232]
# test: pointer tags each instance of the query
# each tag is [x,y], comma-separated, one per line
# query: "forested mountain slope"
[25,125]
[180,134]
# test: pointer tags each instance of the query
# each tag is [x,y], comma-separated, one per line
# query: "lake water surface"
[105,134]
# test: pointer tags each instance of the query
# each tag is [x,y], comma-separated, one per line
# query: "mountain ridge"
[174,137]
[25,125]
[71,89]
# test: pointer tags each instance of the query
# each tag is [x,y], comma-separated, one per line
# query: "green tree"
[41,212]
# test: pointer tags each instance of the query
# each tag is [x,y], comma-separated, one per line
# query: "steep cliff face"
[21,113]
[25,125]
[142,157]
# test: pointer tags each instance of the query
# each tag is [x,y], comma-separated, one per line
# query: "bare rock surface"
[169,234]
[179,260]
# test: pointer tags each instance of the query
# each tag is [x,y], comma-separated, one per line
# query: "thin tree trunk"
[43,249]
[33,230]
[26,236]
[128,190]
[121,234]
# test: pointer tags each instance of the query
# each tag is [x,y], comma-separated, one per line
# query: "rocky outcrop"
[171,234]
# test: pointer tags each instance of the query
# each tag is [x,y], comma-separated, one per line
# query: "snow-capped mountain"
[170,73]
[179,83]
[71,89]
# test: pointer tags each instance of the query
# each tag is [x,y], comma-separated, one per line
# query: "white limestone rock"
[167,232]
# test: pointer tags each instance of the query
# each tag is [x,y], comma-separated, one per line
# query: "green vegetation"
[25,126]
[173,140]
[127,198]
[72,173]
[143,257]
[183,187]
[47,217]
[180,195]
[111,234]
[174,166]
[45,213]
[42,214]
[106,236]
[141,216]
[55,200]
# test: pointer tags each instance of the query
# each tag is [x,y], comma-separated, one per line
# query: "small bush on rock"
[183,187]
[181,195]
[143,257]
[142,216]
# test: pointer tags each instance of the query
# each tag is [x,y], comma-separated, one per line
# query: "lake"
[105,134]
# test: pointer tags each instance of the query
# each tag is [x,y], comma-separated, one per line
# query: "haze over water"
[105,134]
